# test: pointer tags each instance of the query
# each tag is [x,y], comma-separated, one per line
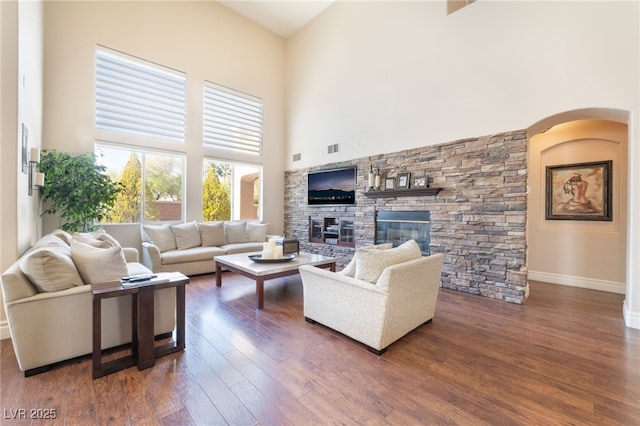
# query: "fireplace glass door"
[399,226]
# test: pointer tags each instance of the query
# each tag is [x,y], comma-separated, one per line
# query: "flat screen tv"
[332,187]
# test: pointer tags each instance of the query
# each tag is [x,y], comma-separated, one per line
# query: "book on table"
[149,279]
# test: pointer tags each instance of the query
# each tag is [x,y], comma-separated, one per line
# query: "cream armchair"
[375,314]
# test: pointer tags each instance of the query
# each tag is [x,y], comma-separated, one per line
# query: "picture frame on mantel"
[389,183]
[420,182]
[403,180]
[580,191]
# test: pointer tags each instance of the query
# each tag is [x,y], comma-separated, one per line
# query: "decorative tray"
[258,258]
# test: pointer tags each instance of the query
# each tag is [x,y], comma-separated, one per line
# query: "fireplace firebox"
[399,226]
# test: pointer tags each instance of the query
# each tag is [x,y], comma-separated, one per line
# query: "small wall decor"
[25,149]
[403,180]
[389,183]
[581,191]
[420,182]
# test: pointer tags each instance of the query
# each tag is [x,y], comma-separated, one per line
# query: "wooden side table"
[144,352]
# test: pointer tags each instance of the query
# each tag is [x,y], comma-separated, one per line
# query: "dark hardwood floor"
[565,357]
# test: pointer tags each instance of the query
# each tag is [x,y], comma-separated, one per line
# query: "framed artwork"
[389,183]
[581,191]
[420,181]
[25,149]
[403,180]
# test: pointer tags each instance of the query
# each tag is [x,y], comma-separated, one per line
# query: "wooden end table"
[260,272]
[144,351]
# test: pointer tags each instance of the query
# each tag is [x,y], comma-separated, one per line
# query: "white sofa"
[191,247]
[49,306]
[379,297]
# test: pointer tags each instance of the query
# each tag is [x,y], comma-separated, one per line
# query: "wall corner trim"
[631,319]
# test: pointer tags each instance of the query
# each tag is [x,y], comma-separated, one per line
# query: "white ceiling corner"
[283,17]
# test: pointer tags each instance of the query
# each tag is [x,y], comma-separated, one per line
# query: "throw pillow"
[350,269]
[212,234]
[89,239]
[371,263]
[187,235]
[101,235]
[51,241]
[161,236]
[257,232]
[236,231]
[98,265]
[50,269]
[63,235]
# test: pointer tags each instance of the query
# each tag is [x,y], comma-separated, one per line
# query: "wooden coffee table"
[260,272]
[144,351]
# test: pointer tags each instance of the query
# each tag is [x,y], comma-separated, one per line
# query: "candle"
[372,176]
[377,185]
[34,155]
[39,179]
[267,254]
[277,253]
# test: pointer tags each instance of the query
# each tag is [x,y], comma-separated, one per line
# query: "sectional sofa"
[191,247]
[48,301]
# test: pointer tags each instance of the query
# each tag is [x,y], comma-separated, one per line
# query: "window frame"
[235,163]
[144,151]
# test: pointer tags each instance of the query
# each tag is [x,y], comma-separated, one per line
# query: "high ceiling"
[283,17]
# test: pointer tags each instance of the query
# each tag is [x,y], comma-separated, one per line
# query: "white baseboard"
[631,319]
[601,285]
[4,330]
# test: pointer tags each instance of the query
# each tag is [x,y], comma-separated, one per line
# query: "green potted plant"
[77,189]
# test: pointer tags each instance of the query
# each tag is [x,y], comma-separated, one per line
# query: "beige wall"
[21,95]
[587,254]
[378,77]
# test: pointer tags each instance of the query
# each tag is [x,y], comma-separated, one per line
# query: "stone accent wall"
[478,220]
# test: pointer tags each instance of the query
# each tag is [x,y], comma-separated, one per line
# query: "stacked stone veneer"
[478,220]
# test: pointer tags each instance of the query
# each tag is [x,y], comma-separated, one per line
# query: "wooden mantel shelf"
[391,193]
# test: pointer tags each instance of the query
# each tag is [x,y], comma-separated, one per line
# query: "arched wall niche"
[626,221]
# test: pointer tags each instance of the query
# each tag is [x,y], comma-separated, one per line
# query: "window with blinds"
[232,120]
[137,97]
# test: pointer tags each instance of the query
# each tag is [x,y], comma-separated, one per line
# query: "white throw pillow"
[236,231]
[98,265]
[257,232]
[161,236]
[350,269]
[63,235]
[89,239]
[371,263]
[50,269]
[212,234]
[101,235]
[51,241]
[187,235]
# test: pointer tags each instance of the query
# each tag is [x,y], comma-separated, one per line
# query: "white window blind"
[140,98]
[232,120]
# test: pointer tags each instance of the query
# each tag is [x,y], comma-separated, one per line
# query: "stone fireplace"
[477,220]
[399,226]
